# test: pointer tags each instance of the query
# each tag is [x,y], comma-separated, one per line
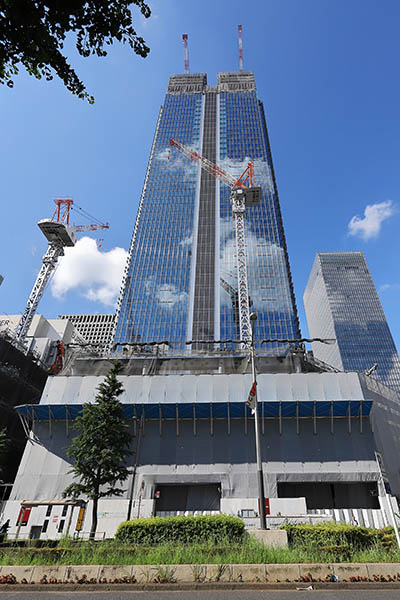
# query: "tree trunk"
[94,518]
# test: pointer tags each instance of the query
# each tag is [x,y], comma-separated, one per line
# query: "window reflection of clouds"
[242,136]
[156,300]
[156,294]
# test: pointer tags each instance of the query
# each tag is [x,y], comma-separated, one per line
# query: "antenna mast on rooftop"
[240,40]
[185,45]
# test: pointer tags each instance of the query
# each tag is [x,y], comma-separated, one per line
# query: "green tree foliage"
[33,32]
[101,446]
[182,530]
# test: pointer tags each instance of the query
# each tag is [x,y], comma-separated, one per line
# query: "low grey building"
[194,446]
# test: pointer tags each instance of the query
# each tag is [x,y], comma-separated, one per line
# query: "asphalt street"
[361,594]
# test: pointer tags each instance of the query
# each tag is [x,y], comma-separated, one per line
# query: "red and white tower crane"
[243,193]
[60,234]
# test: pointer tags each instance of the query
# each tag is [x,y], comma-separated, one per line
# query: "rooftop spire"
[185,45]
[240,40]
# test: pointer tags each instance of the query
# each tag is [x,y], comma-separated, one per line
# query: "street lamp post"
[260,478]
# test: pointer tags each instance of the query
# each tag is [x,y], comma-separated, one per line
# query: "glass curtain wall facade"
[341,302]
[180,283]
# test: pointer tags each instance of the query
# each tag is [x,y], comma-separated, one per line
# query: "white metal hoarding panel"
[238,387]
[350,386]
[87,391]
[144,384]
[133,389]
[220,389]
[209,388]
[188,388]
[299,386]
[54,390]
[266,388]
[315,387]
[284,390]
[156,394]
[173,388]
[204,388]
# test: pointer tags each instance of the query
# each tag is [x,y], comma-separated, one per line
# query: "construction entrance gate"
[174,498]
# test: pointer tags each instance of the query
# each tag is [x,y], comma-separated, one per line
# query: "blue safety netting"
[205,410]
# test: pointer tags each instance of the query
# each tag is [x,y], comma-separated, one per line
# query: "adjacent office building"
[341,302]
[95,329]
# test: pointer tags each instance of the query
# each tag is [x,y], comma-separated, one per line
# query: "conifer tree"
[101,447]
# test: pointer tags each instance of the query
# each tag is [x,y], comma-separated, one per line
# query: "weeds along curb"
[238,575]
[182,587]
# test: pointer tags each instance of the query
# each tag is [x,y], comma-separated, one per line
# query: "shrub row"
[336,534]
[216,528]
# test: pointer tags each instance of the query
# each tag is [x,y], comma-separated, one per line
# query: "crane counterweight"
[56,232]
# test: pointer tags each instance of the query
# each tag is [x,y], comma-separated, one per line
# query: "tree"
[33,32]
[101,446]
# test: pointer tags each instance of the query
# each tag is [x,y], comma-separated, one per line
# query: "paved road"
[206,595]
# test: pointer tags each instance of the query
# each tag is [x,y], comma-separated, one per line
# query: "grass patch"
[340,537]
[250,551]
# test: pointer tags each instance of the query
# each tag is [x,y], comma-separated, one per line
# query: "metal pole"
[130,503]
[70,519]
[19,522]
[392,516]
[260,477]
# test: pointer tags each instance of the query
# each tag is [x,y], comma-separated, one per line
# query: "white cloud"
[174,160]
[389,287]
[93,274]
[168,294]
[262,172]
[265,264]
[369,226]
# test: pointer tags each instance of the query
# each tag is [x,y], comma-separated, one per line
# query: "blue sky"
[328,74]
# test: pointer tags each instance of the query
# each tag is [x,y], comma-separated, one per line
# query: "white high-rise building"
[95,328]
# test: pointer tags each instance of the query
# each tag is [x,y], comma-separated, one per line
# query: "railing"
[365,517]
[186,513]
[98,536]
[9,336]
[194,348]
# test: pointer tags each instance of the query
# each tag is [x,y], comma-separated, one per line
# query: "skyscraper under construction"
[180,283]
[194,448]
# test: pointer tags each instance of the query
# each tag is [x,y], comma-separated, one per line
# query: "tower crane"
[233,293]
[60,234]
[243,193]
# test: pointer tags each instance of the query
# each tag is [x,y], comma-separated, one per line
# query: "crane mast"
[238,212]
[49,260]
[60,234]
[243,193]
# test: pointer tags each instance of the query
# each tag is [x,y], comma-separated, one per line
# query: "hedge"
[184,530]
[337,534]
